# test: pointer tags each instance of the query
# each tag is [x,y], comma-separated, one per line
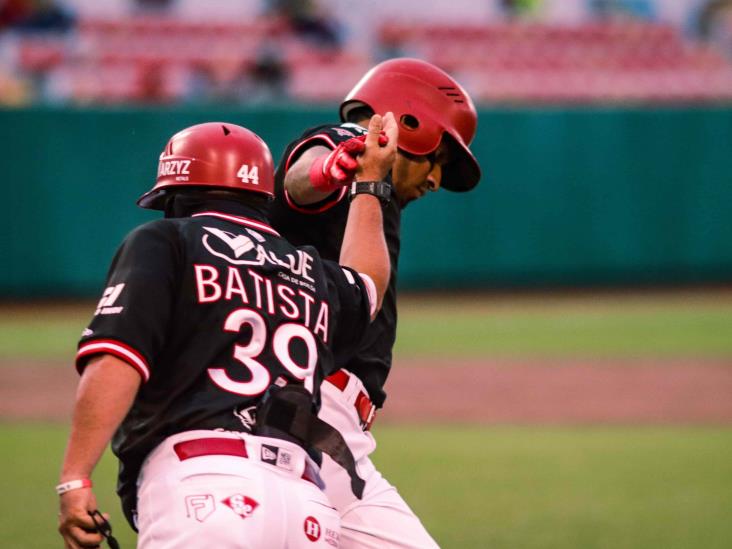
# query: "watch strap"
[379,189]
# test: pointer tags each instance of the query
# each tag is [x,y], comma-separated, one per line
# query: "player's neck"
[185,206]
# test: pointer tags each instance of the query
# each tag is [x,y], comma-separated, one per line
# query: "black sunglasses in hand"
[104,528]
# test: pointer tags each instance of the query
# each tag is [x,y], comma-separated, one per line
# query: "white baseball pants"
[232,491]
[382,519]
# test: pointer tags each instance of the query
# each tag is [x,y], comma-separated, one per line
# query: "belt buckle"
[366,410]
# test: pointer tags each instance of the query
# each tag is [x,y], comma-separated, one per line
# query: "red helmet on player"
[212,155]
[428,105]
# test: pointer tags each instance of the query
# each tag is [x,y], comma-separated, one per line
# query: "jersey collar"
[251,223]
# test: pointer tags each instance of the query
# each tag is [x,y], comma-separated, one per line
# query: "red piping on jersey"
[324,207]
[332,144]
[241,221]
[320,136]
[116,348]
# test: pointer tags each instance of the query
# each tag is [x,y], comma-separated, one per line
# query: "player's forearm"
[106,392]
[297,179]
[364,248]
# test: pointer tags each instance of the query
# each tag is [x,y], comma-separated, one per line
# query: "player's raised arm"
[364,248]
[320,171]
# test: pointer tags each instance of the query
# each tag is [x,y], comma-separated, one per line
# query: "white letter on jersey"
[309,300]
[321,324]
[235,285]
[306,261]
[292,311]
[202,282]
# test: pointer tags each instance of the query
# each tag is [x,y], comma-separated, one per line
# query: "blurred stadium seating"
[519,61]
[172,55]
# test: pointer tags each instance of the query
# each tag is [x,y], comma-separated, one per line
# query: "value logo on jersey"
[242,505]
[238,244]
[234,249]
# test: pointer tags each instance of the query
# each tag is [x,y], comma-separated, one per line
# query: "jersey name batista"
[214,284]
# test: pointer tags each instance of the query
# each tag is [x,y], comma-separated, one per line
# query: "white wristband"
[73,485]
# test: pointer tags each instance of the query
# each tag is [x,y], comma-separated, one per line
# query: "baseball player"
[206,351]
[437,122]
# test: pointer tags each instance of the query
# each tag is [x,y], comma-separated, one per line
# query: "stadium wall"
[570,196]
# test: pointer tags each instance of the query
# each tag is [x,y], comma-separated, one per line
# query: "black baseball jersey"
[322,225]
[213,309]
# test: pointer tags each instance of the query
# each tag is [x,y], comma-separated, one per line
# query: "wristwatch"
[380,189]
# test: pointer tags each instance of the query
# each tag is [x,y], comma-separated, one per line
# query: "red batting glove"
[332,171]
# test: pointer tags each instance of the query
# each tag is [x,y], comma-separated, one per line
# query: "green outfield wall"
[582,196]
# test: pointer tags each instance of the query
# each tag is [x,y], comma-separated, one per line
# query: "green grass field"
[549,488]
[615,326]
[473,486]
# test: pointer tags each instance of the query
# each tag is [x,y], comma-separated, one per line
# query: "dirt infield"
[477,391]
[563,392]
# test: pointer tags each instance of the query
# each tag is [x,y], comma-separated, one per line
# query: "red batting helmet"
[216,155]
[427,104]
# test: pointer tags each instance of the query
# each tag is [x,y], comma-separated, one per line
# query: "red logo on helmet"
[312,528]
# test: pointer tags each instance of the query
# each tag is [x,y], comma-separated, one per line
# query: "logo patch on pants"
[269,454]
[200,506]
[242,505]
[277,456]
[312,528]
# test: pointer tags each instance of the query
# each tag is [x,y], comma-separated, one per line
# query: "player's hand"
[74,522]
[337,169]
[341,164]
[378,157]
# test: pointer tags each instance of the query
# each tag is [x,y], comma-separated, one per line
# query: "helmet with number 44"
[212,155]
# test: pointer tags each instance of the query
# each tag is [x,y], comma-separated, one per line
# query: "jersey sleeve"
[355,296]
[324,136]
[132,316]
